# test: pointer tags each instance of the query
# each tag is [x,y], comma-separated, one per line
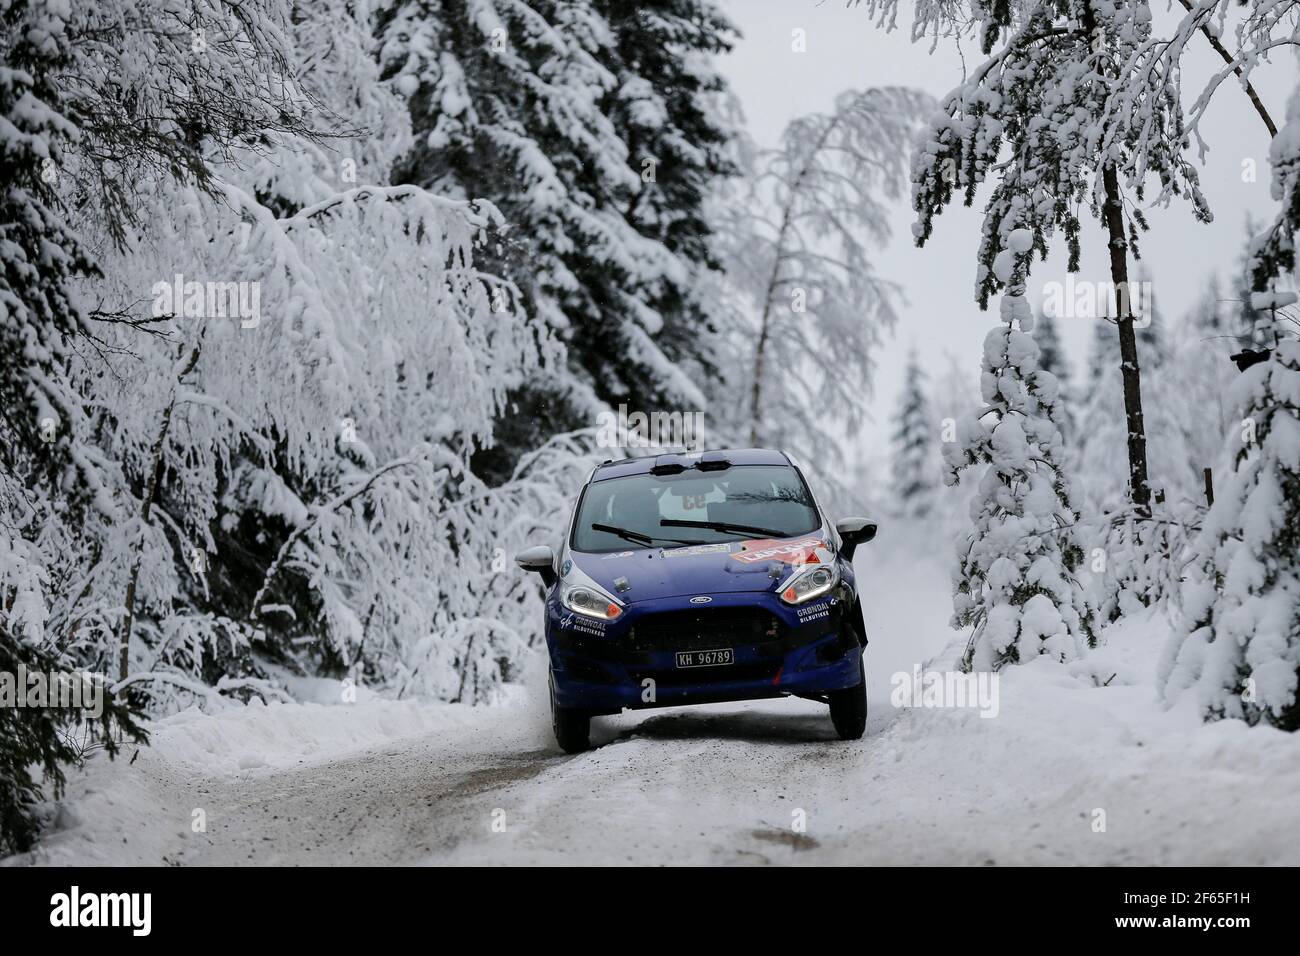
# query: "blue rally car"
[697,578]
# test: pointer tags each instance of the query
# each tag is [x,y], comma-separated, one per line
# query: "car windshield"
[744,501]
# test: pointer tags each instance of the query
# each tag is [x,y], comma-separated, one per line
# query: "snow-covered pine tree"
[1238,647]
[1051,354]
[191,87]
[587,123]
[1149,326]
[1052,358]
[1015,577]
[1104,347]
[1196,378]
[38,318]
[914,464]
[1239,644]
[1245,318]
[1103,351]
[668,112]
[1209,315]
[46,485]
[954,391]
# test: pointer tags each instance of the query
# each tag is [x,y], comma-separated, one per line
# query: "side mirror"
[853,532]
[540,559]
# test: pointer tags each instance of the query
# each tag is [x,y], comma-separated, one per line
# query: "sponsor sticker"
[698,549]
[800,551]
[584,625]
[814,612]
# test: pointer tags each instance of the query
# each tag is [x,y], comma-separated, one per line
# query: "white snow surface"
[388,782]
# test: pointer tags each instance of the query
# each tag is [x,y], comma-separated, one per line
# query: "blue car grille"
[704,629]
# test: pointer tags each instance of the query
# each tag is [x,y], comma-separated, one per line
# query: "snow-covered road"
[724,784]
[1067,772]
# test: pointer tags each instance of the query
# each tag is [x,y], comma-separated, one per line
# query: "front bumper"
[631,663]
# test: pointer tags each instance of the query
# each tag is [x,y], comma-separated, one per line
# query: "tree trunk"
[774,282]
[1139,489]
[760,350]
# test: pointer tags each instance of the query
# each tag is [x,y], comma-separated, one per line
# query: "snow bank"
[320,726]
[282,735]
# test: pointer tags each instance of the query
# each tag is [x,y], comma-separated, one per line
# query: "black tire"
[572,727]
[849,708]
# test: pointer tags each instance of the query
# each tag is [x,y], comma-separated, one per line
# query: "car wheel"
[572,727]
[849,708]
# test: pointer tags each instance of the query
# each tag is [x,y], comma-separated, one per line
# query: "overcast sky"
[845,51]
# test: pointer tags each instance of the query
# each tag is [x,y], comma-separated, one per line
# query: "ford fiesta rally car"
[699,578]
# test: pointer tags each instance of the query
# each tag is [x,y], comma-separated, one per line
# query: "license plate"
[713,658]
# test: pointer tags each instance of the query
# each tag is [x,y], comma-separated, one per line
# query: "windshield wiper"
[724,527]
[627,534]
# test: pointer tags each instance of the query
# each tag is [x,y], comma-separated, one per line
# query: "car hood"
[758,564]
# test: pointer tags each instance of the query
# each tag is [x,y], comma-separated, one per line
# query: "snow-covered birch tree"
[800,253]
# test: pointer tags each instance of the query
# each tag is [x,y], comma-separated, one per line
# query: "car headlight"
[590,603]
[811,582]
